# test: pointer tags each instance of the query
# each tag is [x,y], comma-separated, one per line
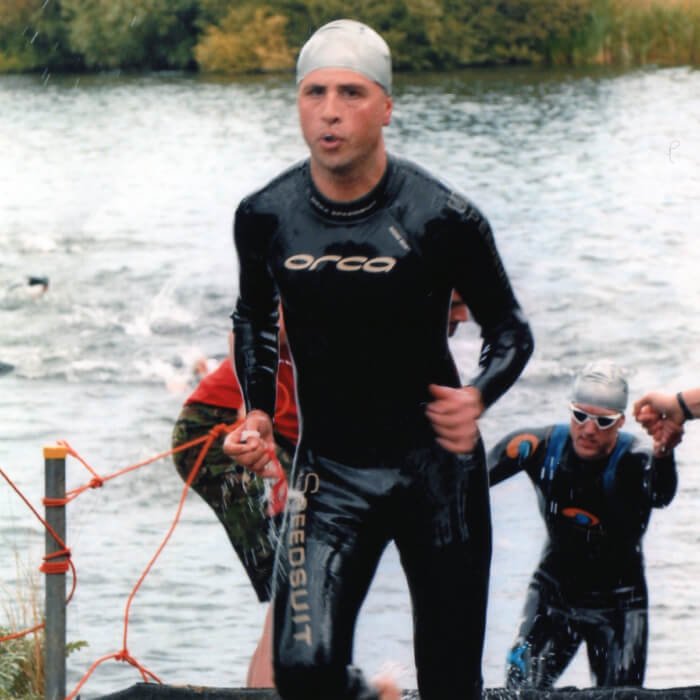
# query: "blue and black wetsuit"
[589,585]
[365,288]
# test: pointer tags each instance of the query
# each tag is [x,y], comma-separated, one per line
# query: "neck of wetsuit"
[353,209]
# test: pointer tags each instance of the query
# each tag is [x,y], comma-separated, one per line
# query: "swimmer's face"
[342,113]
[458,314]
[590,441]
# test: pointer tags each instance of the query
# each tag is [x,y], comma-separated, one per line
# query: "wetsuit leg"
[617,650]
[329,550]
[444,539]
[547,641]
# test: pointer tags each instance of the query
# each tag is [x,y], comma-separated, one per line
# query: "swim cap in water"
[347,44]
[601,383]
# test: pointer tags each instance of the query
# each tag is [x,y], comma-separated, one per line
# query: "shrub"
[248,40]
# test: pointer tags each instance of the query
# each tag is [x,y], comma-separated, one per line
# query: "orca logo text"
[352,263]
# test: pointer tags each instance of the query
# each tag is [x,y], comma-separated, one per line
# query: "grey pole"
[55,637]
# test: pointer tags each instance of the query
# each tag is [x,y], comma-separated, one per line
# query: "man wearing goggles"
[595,488]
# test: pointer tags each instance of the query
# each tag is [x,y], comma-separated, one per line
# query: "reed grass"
[642,32]
[22,659]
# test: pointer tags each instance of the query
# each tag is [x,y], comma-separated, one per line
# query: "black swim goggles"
[603,422]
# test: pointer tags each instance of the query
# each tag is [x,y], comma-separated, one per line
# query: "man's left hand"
[454,414]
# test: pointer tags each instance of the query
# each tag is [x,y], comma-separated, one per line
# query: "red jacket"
[220,388]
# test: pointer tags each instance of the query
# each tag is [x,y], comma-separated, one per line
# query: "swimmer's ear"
[522,446]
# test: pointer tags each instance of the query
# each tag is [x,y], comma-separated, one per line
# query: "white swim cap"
[601,383]
[347,44]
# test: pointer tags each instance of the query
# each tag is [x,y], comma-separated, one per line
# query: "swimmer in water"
[38,286]
[17,294]
[595,487]
[364,249]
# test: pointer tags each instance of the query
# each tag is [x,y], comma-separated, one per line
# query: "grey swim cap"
[347,44]
[601,384]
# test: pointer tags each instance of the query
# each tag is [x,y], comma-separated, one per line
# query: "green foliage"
[148,34]
[635,32]
[22,659]
[19,661]
[248,39]
[662,35]
[509,31]
[239,36]
[22,665]
[33,36]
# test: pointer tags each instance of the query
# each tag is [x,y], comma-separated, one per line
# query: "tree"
[132,33]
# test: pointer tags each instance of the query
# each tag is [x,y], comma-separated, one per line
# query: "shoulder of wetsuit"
[444,198]
[628,460]
[523,444]
[556,441]
[275,191]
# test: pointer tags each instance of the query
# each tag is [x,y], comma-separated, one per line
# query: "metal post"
[55,638]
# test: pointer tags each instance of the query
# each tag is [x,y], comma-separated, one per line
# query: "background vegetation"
[245,36]
[22,659]
[21,667]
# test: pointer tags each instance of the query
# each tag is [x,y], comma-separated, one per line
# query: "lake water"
[122,191]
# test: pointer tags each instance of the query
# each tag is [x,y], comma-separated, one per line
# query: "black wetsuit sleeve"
[483,283]
[504,353]
[522,450]
[255,317]
[662,481]
[643,483]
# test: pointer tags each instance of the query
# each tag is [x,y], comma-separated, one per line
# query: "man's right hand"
[253,452]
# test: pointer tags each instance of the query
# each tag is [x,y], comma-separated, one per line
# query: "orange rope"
[124,655]
[23,633]
[48,567]
[277,502]
[98,480]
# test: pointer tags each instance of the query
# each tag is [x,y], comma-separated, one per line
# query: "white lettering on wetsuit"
[352,263]
[297,558]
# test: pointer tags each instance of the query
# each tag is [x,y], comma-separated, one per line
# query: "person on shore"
[595,488]
[364,248]
[663,415]
[239,498]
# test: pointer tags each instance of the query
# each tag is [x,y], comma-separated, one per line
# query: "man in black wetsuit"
[595,488]
[364,249]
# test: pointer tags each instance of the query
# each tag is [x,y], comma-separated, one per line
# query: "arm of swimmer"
[454,412]
[255,317]
[512,454]
[663,480]
[504,353]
